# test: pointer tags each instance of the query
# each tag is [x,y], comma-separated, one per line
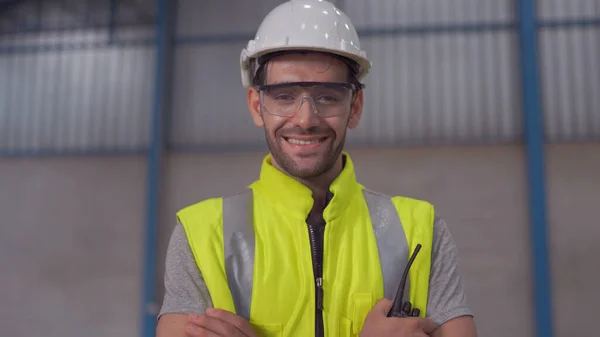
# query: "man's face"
[305,145]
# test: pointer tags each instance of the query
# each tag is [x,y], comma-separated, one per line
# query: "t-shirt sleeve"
[185,289]
[447,298]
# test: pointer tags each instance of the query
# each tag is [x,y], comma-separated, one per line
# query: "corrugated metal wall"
[71,84]
[444,73]
[570,62]
[81,99]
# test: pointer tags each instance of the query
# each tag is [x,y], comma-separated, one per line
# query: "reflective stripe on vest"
[392,245]
[391,242]
[238,244]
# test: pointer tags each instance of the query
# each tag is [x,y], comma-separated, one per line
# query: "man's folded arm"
[185,289]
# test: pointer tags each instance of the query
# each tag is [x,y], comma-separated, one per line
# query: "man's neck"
[320,188]
[320,185]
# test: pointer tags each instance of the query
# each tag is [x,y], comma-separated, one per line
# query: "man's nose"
[306,116]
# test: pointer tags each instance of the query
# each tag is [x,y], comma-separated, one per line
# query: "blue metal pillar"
[113,6]
[534,141]
[154,163]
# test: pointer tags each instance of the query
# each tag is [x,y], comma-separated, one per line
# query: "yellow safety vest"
[254,254]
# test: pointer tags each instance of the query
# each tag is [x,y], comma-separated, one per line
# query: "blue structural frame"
[154,163]
[534,142]
[113,8]
[228,38]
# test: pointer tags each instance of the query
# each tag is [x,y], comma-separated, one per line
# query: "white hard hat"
[312,25]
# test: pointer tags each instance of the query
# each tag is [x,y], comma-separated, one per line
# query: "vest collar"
[296,198]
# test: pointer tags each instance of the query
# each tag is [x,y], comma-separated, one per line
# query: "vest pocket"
[362,303]
[268,330]
[359,306]
[345,327]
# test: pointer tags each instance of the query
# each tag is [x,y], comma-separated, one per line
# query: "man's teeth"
[303,142]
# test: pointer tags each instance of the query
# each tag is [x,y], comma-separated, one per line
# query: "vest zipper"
[317,237]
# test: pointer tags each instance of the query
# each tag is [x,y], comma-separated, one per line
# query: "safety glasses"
[327,99]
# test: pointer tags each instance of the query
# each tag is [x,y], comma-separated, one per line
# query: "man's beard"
[287,164]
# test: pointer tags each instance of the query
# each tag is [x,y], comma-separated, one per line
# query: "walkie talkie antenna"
[398,303]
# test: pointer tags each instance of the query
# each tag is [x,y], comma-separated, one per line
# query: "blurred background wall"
[116,113]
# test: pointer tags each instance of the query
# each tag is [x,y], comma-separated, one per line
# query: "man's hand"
[218,323]
[378,324]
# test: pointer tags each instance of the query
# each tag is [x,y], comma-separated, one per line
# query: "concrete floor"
[71,243]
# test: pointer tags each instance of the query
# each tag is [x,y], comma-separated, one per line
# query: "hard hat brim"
[249,62]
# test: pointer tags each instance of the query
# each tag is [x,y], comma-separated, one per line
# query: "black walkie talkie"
[399,307]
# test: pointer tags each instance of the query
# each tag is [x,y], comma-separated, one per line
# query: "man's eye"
[328,99]
[284,97]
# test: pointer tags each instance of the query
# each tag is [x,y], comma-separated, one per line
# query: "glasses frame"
[354,88]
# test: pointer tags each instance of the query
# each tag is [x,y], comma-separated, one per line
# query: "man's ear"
[254,107]
[356,110]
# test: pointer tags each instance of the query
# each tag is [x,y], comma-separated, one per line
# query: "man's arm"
[172,325]
[185,289]
[460,326]
[447,304]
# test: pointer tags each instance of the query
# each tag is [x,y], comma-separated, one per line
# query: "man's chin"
[305,173]
[306,167]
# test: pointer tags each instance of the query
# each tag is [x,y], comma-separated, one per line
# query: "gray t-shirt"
[186,291]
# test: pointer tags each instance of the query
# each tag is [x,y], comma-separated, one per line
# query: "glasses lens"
[328,99]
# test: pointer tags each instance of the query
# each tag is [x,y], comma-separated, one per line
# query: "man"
[306,250]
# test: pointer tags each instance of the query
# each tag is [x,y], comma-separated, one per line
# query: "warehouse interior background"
[114,114]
